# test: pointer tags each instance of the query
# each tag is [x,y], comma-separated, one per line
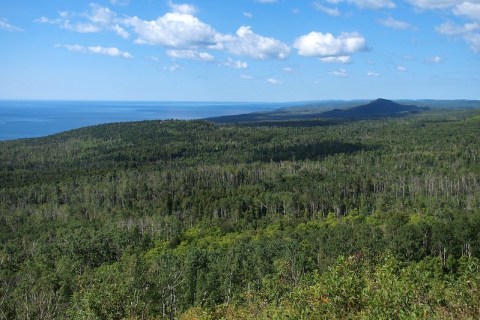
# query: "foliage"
[303,219]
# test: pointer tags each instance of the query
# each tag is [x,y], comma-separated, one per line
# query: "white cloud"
[468,32]
[373,74]
[109,51]
[374,4]
[182,8]
[4,25]
[395,24]
[174,29]
[340,73]
[451,29]
[433,60]
[435,4]
[190,54]
[98,19]
[334,12]
[112,51]
[249,44]
[178,30]
[402,68]
[248,14]
[246,77]
[120,31]
[172,68]
[120,2]
[336,59]
[185,31]
[152,58]
[474,41]
[266,1]
[468,9]
[367,4]
[236,64]
[287,69]
[101,15]
[317,44]
[274,81]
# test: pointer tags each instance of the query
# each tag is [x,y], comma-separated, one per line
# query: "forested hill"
[299,219]
[347,110]
[376,109]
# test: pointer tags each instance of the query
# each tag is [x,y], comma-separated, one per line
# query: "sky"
[239,50]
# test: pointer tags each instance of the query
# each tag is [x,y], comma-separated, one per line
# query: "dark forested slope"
[379,108]
[297,218]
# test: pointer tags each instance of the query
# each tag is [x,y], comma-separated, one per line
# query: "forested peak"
[383,102]
[374,109]
[385,105]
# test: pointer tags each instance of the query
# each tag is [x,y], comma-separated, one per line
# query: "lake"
[28,119]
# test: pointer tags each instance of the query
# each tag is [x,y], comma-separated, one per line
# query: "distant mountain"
[376,109]
[379,108]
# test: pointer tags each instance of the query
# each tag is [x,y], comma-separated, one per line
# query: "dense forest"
[300,219]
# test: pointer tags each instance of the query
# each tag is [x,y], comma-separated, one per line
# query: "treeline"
[304,219]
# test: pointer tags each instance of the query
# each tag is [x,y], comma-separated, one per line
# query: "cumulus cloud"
[451,29]
[249,44]
[374,4]
[236,64]
[172,68]
[402,68]
[468,9]
[372,74]
[109,51]
[98,19]
[4,25]
[367,4]
[180,30]
[395,24]
[336,59]
[317,44]
[474,42]
[274,81]
[174,29]
[246,77]
[434,4]
[340,73]
[120,2]
[469,32]
[433,60]
[334,12]
[190,54]
[182,8]
[247,14]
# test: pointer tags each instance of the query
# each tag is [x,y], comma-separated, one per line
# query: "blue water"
[27,119]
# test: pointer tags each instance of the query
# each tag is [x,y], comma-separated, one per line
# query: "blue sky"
[239,50]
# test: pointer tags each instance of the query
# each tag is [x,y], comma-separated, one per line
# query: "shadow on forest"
[313,151]
[292,123]
[276,117]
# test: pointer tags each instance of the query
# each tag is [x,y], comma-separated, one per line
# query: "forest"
[280,219]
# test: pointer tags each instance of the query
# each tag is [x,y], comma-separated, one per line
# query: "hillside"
[376,109]
[343,110]
[371,219]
